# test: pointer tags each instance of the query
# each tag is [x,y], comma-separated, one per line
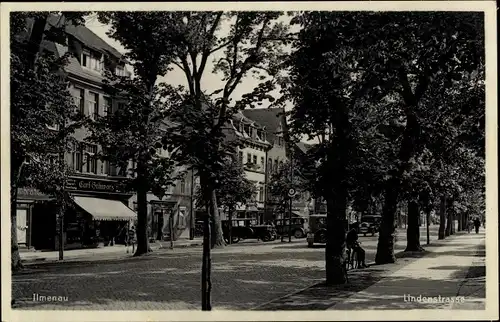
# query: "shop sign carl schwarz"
[94,185]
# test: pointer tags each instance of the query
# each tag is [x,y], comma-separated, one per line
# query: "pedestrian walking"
[131,239]
[477,224]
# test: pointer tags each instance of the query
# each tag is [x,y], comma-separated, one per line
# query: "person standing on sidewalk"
[131,239]
[477,224]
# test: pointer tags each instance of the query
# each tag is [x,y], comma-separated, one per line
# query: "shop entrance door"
[21,226]
[159,225]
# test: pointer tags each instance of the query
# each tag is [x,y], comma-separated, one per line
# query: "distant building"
[252,154]
[274,121]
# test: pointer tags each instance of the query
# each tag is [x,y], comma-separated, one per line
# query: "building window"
[240,157]
[249,158]
[90,159]
[93,105]
[262,164]
[270,165]
[76,157]
[108,103]
[183,187]
[120,71]
[92,60]
[261,193]
[276,165]
[80,101]
[254,159]
[121,106]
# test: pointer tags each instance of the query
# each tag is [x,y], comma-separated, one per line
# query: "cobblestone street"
[243,276]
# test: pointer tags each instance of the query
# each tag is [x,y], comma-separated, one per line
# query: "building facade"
[274,121]
[252,154]
[102,208]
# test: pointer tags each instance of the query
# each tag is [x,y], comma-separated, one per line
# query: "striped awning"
[105,209]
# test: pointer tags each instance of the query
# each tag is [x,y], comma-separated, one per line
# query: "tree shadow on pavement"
[155,285]
[395,293]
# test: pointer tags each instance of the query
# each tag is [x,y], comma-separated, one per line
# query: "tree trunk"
[16,263]
[442,218]
[447,232]
[206,268]
[230,225]
[385,246]
[142,214]
[16,170]
[335,244]
[452,225]
[460,223]
[218,233]
[413,231]
[428,223]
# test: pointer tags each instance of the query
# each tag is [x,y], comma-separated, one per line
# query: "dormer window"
[120,71]
[92,60]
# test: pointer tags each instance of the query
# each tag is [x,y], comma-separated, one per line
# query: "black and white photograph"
[249,161]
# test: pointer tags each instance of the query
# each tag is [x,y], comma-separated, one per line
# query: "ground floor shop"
[96,215]
[168,218]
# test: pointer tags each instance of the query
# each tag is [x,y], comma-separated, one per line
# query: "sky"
[210,81]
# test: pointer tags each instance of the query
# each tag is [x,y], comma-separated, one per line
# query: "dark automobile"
[317,230]
[297,227]
[370,224]
[247,229]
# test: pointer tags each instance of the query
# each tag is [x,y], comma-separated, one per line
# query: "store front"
[29,203]
[98,216]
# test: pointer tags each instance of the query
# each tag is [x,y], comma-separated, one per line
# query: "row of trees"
[396,102]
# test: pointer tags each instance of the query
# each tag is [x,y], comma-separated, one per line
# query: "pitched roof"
[86,36]
[270,118]
[304,147]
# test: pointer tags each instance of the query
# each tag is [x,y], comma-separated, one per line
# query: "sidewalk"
[450,268]
[100,253]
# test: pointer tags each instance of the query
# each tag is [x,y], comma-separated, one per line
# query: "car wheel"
[267,237]
[298,233]
[310,244]
[322,237]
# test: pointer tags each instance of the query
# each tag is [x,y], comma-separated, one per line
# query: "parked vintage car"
[297,228]
[317,230]
[247,229]
[370,224]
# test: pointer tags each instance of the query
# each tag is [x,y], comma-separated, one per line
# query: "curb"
[98,256]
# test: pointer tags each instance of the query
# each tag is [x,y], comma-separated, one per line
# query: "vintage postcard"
[234,161]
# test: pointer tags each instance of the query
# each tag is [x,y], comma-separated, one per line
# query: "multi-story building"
[274,122]
[102,207]
[252,154]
